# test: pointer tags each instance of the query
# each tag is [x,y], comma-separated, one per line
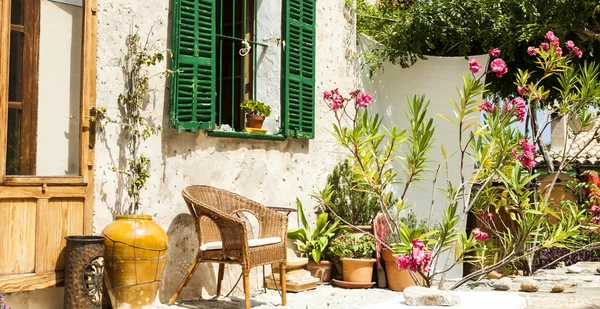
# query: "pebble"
[494,275]
[598,270]
[558,288]
[502,284]
[530,285]
[574,269]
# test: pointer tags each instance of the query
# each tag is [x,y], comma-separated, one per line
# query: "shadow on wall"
[183,247]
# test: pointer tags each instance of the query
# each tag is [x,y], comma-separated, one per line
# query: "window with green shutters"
[211,77]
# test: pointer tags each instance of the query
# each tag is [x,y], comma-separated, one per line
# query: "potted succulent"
[356,257]
[315,244]
[256,112]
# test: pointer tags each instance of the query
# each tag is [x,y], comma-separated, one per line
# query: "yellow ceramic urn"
[135,258]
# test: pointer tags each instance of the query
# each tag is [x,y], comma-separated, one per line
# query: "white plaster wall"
[437,79]
[59,89]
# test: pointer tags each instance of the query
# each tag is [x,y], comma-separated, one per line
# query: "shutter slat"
[193,98]
[299,68]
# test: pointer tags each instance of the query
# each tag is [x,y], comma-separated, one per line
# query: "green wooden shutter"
[298,84]
[193,95]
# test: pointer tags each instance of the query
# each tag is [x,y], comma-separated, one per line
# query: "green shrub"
[255,108]
[347,246]
[344,198]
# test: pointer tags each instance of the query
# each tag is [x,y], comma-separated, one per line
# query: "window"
[22,88]
[44,89]
[214,72]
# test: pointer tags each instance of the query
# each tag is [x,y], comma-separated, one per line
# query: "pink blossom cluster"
[497,66]
[526,154]
[518,104]
[487,106]
[419,259]
[554,41]
[595,210]
[479,235]
[335,100]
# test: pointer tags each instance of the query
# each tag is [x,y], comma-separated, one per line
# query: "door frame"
[42,189]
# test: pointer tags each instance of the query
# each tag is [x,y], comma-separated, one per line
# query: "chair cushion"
[217,245]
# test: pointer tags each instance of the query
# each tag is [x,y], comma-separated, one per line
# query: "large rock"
[598,270]
[530,285]
[502,284]
[420,296]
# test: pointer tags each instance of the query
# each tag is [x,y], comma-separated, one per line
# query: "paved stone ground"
[585,294]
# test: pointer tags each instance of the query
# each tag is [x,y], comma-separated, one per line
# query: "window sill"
[268,137]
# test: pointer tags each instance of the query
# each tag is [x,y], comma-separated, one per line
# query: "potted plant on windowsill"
[256,112]
[315,244]
[356,257]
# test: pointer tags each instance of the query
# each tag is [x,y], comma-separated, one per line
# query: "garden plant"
[504,157]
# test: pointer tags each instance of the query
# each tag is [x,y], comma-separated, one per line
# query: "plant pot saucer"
[254,130]
[352,285]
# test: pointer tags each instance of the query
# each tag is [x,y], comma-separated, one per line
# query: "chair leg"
[185,280]
[246,274]
[283,279]
[220,278]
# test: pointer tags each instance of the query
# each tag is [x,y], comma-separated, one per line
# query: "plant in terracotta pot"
[356,257]
[315,244]
[256,112]
[136,247]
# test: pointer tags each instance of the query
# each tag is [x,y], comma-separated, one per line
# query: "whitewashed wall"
[436,78]
[269,172]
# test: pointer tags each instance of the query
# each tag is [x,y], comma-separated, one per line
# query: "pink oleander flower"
[403,261]
[522,90]
[569,44]
[545,46]
[364,99]
[559,51]
[526,155]
[474,66]
[486,106]
[519,104]
[499,67]
[532,51]
[495,52]
[334,99]
[479,235]
[595,209]
[577,52]
[550,36]
[417,243]
[596,220]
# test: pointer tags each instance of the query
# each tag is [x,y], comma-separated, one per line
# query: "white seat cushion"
[217,245]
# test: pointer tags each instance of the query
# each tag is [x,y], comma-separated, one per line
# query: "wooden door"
[37,212]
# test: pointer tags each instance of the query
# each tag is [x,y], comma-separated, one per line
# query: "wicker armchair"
[223,238]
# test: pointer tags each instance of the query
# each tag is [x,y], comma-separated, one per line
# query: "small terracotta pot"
[254,121]
[397,279]
[321,271]
[358,270]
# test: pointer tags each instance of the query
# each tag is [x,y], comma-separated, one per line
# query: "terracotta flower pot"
[397,279]
[358,270]
[254,121]
[135,258]
[321,271]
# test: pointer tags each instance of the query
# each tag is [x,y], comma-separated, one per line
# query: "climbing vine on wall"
[135,127]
